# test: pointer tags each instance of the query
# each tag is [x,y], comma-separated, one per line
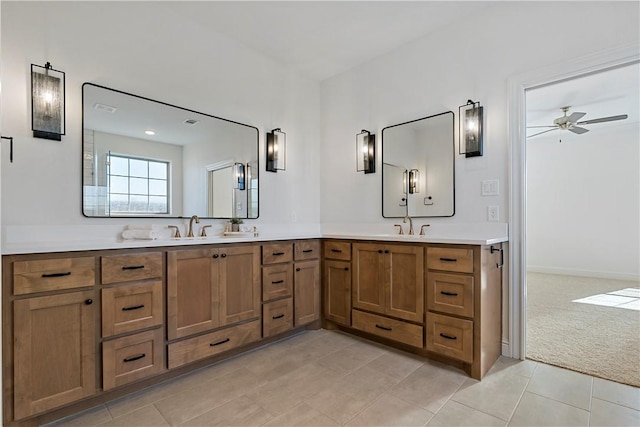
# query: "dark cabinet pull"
[66,273]
[448,259]
[386,251]
[277,253]
[279,316]
[306,251]
[215,256]
[223,256]
[449,337]
[298,269]
[336,250]
[346,269]
[88,301]
[219,342]
[277,281]
[451,294]
[133,358]
[132,267]
[133,307]
[501,256]
[379,251]
[384,328]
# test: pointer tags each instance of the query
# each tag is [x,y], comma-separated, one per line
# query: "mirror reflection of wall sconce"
[366,152]
[276,150]
[47,102]
[238,176]
[414,179]
[470,129]
[10,138]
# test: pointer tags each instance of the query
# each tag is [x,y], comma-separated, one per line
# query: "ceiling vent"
[191,122]
[105,108]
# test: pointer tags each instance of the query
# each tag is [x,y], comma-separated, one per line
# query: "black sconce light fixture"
[47,102]
[276,150]
[238,176]
[366,152]
[470,129]
[414,179]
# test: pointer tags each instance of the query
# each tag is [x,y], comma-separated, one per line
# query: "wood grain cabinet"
[336,281]
[306,282]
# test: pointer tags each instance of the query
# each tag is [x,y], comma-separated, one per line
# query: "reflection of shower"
[414,178]
[238,176]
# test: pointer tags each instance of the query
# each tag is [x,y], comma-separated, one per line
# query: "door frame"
[517,85]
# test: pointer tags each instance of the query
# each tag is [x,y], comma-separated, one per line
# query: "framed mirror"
[146,158]
[418,168]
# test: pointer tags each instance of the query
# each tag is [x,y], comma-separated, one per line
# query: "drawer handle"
[88,301]
[448,260]
[337,250]
[279,316]
[215,256]
[384,328]
[346,269]
[220,342]
[133,307]
[449,337]
[223,255]
[306,251]
[132,267]
[451,294]
[133,358]
[66,273]
[298,269]
[277,281]
[501,256]
[277,253]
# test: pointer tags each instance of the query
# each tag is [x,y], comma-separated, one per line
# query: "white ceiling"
[324,38]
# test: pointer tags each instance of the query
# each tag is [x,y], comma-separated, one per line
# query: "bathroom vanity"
[82,327]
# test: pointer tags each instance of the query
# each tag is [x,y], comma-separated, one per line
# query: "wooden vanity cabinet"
[306,281]
[336,281]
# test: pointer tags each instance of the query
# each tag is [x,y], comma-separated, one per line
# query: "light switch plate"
[490,187]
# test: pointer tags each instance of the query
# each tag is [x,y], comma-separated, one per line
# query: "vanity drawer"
[450,336]
[337,250]
[277,281]
[131,358]
[450,293]
[459,260]
[392,329]
[126,268]
[190,350]
[131,307]
[306,249]
[277,316]
[277,252]
[53,274]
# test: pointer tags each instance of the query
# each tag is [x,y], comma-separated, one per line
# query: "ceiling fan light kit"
[572,124]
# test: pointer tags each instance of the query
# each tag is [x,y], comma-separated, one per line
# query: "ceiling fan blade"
[575,117]
[540,133]
[531,127]
[578,130]
[603,119]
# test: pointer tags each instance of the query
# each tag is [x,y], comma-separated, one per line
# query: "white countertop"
[25,240]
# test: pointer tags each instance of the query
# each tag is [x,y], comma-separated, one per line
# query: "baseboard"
[582,273]
[506,349]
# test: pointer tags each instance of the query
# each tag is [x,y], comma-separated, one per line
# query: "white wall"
[583,203]
[472,59]
[139,47]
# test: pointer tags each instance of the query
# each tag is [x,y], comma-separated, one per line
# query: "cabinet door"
[405,282]
[192,292]
[307,292]
[54,351]
[337,291]
[368,277]
[239,283]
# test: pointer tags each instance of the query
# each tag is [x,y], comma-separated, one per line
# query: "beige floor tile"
[90,417]
[351,357]
[514,366]
[538,411]
[302,416]
[429,386]
[605,413]
[238,412]
[143,417]
[184,406]
[621,394]
[565,386]
[456,414]
[339,405]
[496,394]
[389,410]
[396,363]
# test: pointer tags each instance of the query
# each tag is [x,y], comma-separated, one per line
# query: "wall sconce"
[365,152]
[470,129]
[238,176]
[47,102]
[414,179]
[276,150]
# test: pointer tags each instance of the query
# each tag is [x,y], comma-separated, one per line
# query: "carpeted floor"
[598,340]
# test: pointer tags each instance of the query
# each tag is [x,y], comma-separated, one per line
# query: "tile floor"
[327,378]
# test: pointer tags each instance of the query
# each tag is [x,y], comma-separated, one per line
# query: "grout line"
[524,390]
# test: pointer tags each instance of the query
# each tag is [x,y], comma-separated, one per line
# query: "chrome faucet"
[404,221]
[197,220]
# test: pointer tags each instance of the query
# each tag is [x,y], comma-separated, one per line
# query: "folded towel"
[153,227]
[140,234]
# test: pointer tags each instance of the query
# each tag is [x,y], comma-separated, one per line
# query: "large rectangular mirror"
[418,168]
[146,158]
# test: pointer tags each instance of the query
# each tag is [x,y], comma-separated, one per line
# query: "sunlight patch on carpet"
[628,298]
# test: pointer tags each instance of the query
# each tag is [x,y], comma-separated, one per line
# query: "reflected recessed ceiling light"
[149,132]
[104,107]
[191,122]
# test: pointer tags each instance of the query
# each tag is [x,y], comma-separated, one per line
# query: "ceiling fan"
[572,124]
